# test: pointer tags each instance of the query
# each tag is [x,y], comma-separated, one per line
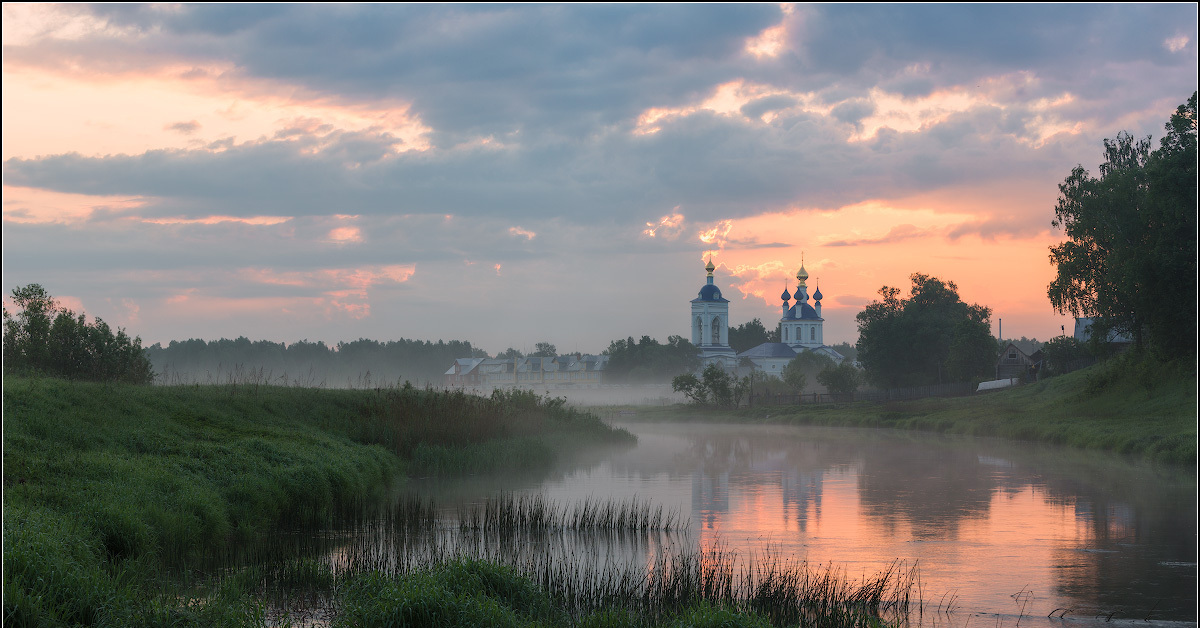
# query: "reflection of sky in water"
[1006,528]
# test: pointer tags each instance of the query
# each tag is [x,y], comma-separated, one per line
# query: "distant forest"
[358,364]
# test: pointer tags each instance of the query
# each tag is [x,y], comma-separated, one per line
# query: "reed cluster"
[520,513]
[565,565]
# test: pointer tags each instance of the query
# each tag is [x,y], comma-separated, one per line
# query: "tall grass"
[172,474]
[525,560]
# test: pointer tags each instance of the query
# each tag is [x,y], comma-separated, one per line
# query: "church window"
[716,331]
[785,336]
[812,333]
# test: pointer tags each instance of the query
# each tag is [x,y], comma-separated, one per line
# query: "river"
[1001,532]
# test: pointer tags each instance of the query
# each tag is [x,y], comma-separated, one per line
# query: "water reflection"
[1011,529]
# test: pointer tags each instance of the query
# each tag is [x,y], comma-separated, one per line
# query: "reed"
[512,513]
[584,568]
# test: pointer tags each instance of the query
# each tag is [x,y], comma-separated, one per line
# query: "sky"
[515,174]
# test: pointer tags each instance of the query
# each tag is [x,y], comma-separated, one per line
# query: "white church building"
[801,328]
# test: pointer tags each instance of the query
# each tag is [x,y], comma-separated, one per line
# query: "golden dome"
[801,275]
[710,268]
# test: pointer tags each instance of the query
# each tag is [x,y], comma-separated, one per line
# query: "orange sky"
[140,129]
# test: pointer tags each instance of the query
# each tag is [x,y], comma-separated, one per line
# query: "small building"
[1013,363]
[463,373]
[1083,333]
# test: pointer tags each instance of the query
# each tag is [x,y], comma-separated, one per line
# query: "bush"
[46,338]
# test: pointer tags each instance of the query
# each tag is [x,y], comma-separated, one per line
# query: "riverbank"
[1141,409]
[106,484]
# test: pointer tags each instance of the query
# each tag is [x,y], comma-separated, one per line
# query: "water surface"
[996,528]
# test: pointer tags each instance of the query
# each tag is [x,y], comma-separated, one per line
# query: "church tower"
[802,326]
[710,321]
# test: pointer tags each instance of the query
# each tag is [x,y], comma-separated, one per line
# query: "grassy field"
[1126,406]
[104,484]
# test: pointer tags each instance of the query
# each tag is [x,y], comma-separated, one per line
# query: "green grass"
[1126,405]
[106,483]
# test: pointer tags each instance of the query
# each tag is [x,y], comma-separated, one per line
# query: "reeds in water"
[528,513]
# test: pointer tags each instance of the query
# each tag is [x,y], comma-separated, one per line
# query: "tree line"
[360,362]
[43,337]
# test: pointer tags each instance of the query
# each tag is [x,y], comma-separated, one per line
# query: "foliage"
[1028,346]
[509,354]
[842,379]
[848,351]
[794,377]
[714,387]
[544,350]
[907,342]
[1060,353]
[749,335]
[972,352]
[1130,257]
[359,363]
[804,368]
[647,360]
[46,338]
[1129,405]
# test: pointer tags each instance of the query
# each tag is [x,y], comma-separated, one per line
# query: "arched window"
[699,335]
[716,331]
[785,334]
[812,333]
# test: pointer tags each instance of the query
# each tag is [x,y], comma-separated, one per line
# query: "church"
[801,328]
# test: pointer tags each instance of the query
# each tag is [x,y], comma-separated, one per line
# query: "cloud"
[186,128]
[668,227]
[522,233]
[895,234]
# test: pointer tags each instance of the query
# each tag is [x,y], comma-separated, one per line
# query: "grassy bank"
[105,483]
[1128,406]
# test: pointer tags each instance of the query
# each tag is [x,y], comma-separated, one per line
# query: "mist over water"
[1010,530]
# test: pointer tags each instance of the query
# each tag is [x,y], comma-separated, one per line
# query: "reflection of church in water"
[734,482]
[801,328]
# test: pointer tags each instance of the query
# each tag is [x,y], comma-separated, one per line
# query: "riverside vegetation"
[128,505]
[1132,404]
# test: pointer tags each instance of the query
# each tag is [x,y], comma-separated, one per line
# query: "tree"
[544,350]
[510,354]
[907,342]
[841,380]
[848,351]
[713,387]
[748,335]
[719,385]
[43,337]
[649,360]
[691,387]
[972,352]
[1130,256]
[1061,354]
[793,377]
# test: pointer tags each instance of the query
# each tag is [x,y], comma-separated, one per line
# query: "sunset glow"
[156,155]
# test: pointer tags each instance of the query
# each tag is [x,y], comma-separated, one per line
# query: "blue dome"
[710,293]
[817,294]
[785,296]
